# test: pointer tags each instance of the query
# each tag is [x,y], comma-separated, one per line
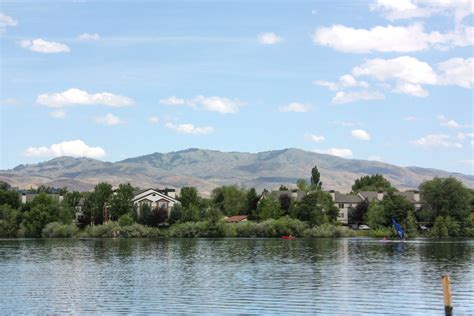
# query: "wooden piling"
[448,304]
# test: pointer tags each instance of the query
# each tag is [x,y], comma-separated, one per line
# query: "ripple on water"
[262,276]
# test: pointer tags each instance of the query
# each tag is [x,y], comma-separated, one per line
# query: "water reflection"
[327,276]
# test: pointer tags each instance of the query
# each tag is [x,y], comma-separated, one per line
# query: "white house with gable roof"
[156,199]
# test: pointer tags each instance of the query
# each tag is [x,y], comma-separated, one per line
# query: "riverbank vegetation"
[447,211]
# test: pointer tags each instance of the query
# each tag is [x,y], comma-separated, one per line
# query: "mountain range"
[206,169]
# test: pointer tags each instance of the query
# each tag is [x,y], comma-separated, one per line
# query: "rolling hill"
[206,169]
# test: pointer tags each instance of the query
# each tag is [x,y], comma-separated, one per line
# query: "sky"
[381,80]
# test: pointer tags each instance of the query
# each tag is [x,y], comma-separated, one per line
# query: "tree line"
[448,207]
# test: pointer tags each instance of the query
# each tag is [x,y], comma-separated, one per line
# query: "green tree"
[446,197]
[316,208]
[41,211]
[252,201]
[268,208]
[410,225]
[396,206]
[357,214]
[302,185]
[188,196]
[375,182]
[316,183]
[213,215]
[445,227]
[191,213]
[176,213]
[121,201]
[102,194]
[9,197]
[231,200]
[10,220]
[73,198]
[285,203]
[376,216]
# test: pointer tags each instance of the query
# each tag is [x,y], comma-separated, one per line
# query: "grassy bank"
[272,228]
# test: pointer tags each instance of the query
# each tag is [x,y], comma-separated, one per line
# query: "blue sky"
[379,79]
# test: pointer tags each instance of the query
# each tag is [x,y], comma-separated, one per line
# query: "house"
[295,194]
[412,196]
[235,219]
[28,197]
[345,202]
[156,199]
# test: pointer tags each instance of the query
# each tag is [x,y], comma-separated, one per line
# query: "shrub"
[190,230]
[328,230]
[382,232]
[59,230]
[246,229]
[125,220]
[445,227]
[468,230]
[113,229]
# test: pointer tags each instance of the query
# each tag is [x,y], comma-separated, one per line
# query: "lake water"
[258,276]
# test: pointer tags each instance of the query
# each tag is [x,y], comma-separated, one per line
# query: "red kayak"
[288,237]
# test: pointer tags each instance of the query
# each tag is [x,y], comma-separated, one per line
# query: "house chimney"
[333,195]
[416,196]
[23,198]
[380,195]
[171,193]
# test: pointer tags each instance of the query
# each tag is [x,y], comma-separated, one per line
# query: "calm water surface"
[258,276]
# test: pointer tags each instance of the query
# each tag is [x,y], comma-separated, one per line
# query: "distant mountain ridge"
[206,169]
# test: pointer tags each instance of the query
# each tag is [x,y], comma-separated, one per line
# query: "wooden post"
[448,305]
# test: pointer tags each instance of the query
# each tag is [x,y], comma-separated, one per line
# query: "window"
[341,214]
[341,205]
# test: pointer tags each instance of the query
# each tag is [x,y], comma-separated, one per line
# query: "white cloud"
[411,89]
[346,97]
[389,38]
[443,121]
[404,68]
[457,71]
[315,138]
[74,148]
[190,129]
[214,104]
[360,134]
[173,101]
[39,45]
[436,141]
[463,136]
[58,114]
[339,152]
[374,158]
[345,81]
[109,119]
[9,101]
[345,123]
[217,104]
[409,118]
[88,37]
[403,74]
[295,107]
[154,119]
[269,38]
[80,97]
[400,39]
[407,9]
[6,21]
